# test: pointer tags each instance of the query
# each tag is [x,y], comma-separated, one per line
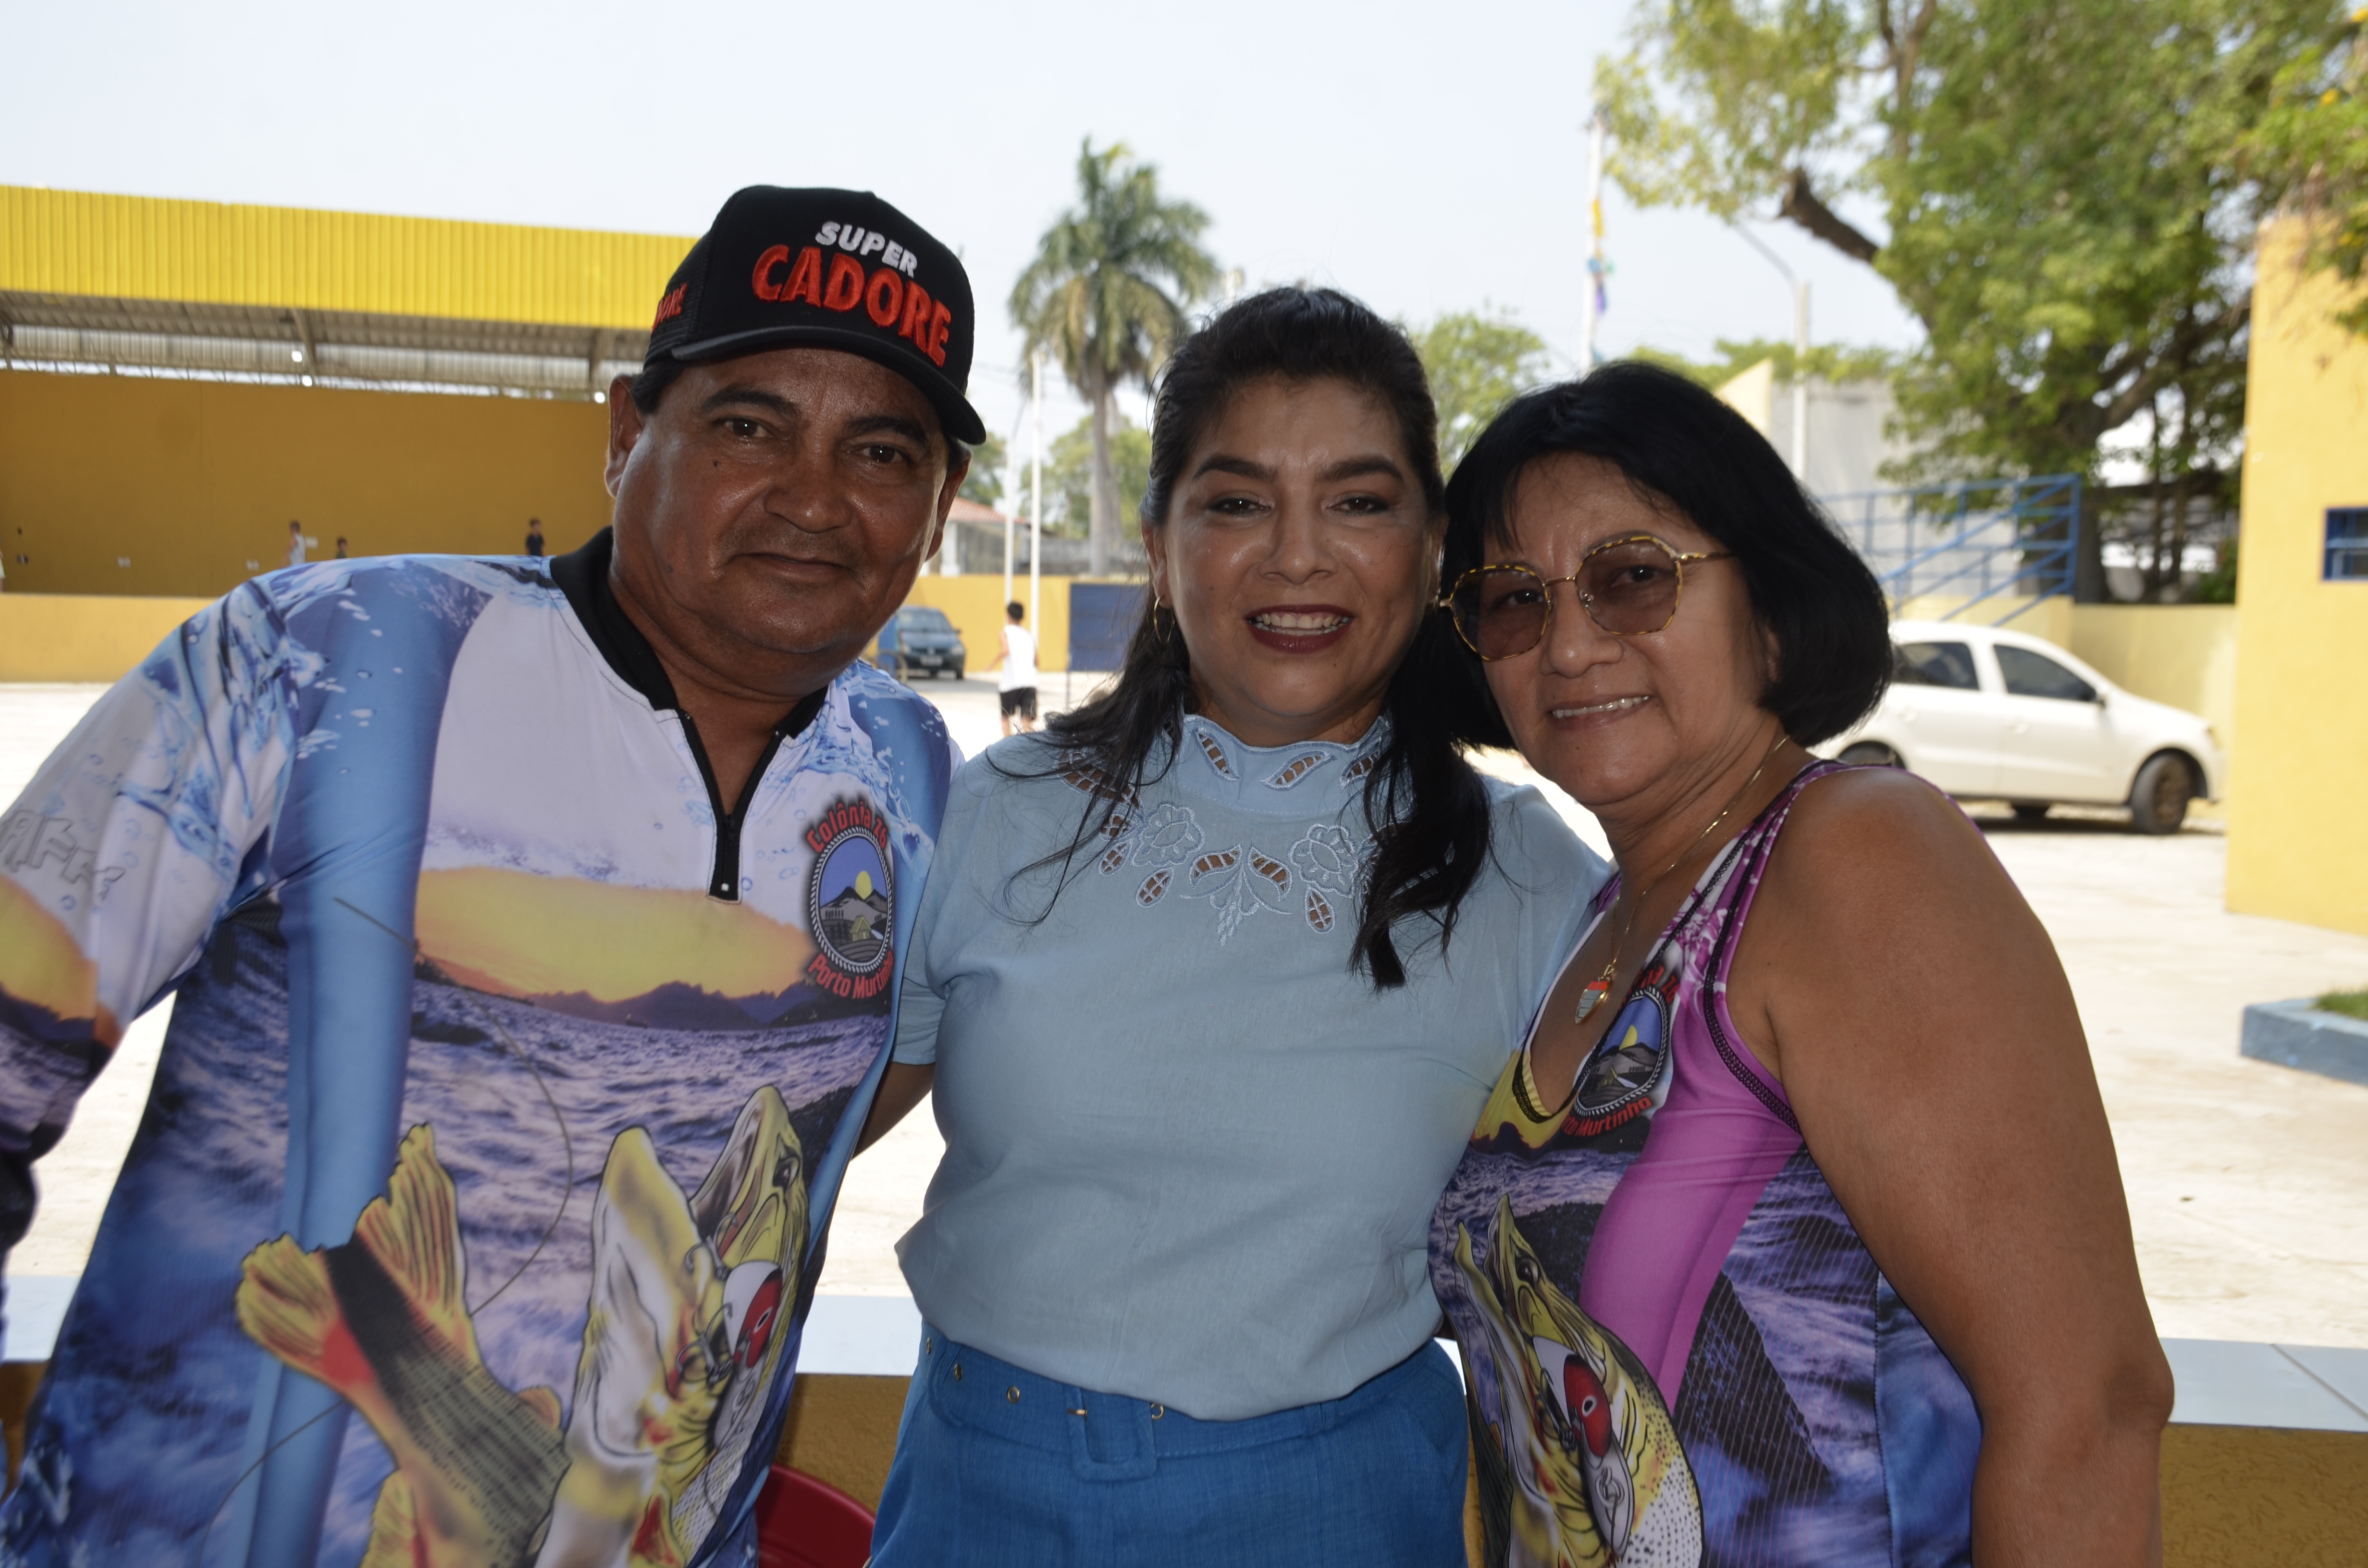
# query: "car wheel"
[1870,753]
[2030,810]
[956,672]
[2158,802]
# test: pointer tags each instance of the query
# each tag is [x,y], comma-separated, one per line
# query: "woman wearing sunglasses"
[1793,1233]
[1211,979]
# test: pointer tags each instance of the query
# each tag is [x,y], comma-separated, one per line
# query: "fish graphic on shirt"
[679,1348]
[381,1320]
[1600,1480]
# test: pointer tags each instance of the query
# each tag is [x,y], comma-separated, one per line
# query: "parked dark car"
[919,641]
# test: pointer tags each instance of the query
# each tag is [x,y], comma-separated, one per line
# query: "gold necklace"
[1599,988]
[1525,1083]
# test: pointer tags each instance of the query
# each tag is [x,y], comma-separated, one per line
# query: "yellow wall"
[2297,835]
[68,242]
[842,1429]
[2232,1497]
[2182,655]
[65,637]
[189,480]
[2050,618]
[2262,1497]
[71,637]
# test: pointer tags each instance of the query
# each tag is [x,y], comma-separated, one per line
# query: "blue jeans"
[998,1468]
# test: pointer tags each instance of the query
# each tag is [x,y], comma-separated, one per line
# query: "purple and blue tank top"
[1677,1351]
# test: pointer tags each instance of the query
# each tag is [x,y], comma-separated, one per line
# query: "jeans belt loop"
[1113,1440]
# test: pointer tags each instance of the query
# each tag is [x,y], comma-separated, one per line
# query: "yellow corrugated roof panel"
[70,241]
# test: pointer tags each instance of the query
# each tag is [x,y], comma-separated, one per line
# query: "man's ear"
[625,427]
[957,469]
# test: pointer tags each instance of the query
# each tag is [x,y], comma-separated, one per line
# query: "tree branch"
[1801,204]
[1904,53]
[2119,365]
[2190,336]
[1920,27]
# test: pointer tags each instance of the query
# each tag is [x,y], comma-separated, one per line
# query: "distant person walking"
[1016,687]
[534,536]
[295,542]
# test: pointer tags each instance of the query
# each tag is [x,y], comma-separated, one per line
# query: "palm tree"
[1094,298]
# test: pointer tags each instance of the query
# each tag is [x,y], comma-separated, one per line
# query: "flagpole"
[1598,128]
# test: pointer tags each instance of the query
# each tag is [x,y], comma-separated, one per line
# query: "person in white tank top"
[1016,687]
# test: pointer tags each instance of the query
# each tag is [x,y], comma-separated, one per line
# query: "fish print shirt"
[1677,1349]
[479,1199]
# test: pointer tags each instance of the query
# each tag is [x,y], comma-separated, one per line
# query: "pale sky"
[1426,157]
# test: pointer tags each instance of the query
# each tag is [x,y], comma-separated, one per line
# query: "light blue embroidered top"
[1190,1154]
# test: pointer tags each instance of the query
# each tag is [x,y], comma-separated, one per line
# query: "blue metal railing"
[1984,539]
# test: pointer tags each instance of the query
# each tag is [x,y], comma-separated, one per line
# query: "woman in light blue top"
[1211,979]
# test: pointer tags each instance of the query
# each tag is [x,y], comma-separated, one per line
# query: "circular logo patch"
[850,899]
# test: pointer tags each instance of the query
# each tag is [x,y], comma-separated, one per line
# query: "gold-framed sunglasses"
[1628,586]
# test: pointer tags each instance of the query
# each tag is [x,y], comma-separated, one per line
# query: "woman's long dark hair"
[1429,809]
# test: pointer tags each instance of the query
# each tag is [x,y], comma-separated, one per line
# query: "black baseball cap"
[832,269]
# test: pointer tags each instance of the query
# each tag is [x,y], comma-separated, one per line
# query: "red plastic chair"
[806,1523]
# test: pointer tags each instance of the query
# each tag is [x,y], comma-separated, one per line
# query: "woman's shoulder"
[1880,834]
[1008,807]
[1880,811]
[1018,773]
[1028,786]
[1528,831]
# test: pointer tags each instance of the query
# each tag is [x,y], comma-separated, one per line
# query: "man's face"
[773,512]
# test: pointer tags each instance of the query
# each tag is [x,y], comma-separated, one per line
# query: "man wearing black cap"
[533,928]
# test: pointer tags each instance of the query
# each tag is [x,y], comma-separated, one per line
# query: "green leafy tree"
[983,483]
[1476,364]
[1069,475]
[1833,362]
[2311,151]
[2219,586]
[2060,181]
[1105,296]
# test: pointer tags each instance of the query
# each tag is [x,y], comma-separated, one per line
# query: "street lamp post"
[1036,496]
[1010,503]
[1799,287]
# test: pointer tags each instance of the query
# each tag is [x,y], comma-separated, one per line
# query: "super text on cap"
[867,241]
